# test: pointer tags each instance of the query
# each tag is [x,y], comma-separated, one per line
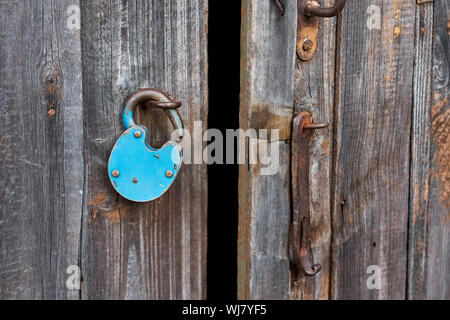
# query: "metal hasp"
[308,25]
[312,8]
[301,255]
[137,171]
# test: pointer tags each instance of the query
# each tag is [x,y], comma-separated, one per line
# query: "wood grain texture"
[155,250]
[429,223]
[267,74]
[420,152]
[41,166]
[269,260]
[438,254]
[314,87]
[372,150]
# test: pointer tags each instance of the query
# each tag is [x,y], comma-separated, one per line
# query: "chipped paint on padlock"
[137,171]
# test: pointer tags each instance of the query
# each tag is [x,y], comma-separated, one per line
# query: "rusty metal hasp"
[308,24]
[301,255]
[137,171]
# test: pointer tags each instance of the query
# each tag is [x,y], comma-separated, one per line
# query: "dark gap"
[411,136]
[224,78]
[334,148]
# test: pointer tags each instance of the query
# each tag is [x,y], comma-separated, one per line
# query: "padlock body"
[140,173]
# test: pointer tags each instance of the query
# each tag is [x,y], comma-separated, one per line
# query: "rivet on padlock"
[137,171]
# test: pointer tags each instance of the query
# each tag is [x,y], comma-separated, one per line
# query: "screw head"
[169,174]
[116,173]
[308,45]
[135,180]
[138,134]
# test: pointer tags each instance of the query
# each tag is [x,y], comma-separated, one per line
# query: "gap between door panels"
[224,78]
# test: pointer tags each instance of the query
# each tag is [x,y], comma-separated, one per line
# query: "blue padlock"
[137,171]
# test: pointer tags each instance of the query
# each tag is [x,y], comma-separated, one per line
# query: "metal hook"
[306,255]
[280,6]
[312,8]
[318,125]
[300,235]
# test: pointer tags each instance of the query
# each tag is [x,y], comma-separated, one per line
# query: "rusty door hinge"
[301,255]
[308,24]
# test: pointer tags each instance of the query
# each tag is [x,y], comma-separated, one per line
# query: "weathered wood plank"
[41,171]
[314,87]
[429,232]
[269,272]
[438,253]
[267,73]
[420,153]
[372,150]
[156,250]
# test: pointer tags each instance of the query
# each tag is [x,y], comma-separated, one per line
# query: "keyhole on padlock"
[159,126]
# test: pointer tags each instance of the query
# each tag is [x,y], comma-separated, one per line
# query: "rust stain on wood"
[441,137]
[51,87]
[51,83]
[326,147]
[397,31]
[99,199]
[101,210]
[115,215]
[264,118]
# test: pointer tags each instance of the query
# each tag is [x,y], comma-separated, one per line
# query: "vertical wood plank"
[438,255]
[373,118]
[429,232]
[155,250]
[267,73]
[269,272]
[420,153]
[41,172]
[314,87]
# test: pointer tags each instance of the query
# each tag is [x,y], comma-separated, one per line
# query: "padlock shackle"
[145,95]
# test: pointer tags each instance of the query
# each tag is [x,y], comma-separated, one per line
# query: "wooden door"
[378,177]
[67,67]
